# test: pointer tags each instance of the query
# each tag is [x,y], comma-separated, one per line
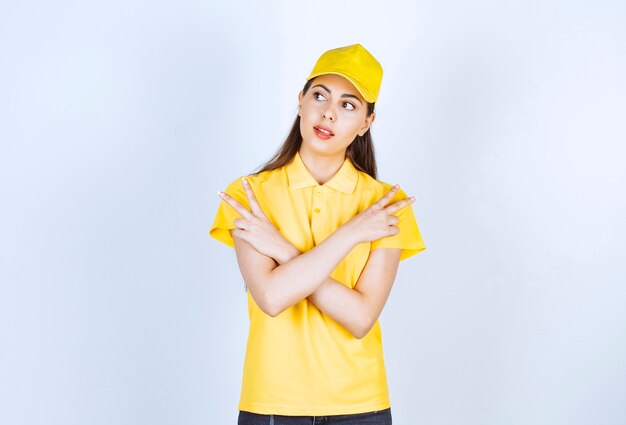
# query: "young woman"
[318,240]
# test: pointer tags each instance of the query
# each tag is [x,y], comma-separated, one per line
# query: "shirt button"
[316,210]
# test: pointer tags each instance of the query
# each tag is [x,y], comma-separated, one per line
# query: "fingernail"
[243,179]
[397,185]
[219,193]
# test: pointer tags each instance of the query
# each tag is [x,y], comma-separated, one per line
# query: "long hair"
[360,151]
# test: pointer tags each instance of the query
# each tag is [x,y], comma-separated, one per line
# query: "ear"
[368,122]
[300,94]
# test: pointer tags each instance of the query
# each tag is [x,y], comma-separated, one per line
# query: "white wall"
[120,120]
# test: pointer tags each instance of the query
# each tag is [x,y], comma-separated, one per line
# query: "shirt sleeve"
[226,214]
[409,238]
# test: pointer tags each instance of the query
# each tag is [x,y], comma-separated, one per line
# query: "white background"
[120,120]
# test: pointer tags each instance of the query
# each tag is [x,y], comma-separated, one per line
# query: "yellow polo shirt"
[302,362]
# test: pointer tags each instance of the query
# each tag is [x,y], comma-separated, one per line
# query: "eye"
[348,103]
[315,95]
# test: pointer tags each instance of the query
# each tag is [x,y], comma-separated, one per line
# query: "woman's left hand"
[255,228]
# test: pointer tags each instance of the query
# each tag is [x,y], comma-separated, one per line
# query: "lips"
[323,132]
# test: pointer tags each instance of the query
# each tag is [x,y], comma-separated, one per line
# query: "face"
[333,103]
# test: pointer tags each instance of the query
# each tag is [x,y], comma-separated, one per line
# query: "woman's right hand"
[378,220]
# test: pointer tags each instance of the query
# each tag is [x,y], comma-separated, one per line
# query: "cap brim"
[360,87]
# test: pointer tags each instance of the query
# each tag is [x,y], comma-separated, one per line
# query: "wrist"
[287,253]
[347,233]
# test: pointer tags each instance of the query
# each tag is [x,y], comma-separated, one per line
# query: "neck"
[322,168]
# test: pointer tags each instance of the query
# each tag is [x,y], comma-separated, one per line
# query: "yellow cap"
[354,63]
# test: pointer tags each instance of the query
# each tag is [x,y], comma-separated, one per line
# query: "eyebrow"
[343,95]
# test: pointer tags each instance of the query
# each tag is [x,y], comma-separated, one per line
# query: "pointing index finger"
[254,204]
[399,205]
[384,200]
[243,211]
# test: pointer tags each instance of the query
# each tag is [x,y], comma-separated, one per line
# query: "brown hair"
[360,151]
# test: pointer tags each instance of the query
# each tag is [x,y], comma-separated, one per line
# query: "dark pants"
[379,417]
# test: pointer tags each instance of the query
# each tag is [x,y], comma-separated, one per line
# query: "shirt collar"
[299,176]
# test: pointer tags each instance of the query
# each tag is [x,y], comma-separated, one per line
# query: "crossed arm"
[355,309]
[278,275]
[358,309]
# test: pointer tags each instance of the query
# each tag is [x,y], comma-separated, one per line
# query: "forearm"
[344,305]
[300,274]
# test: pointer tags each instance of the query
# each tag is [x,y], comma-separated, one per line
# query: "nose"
[328,113]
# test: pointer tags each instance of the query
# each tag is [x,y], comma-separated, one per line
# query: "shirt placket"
[319,213]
